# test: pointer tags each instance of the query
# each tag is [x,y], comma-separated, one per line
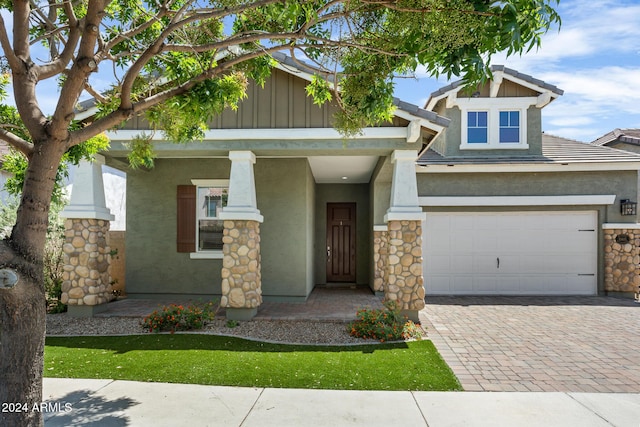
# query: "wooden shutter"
[186,239]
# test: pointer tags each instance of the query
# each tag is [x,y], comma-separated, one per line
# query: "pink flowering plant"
[175,317]
[384,325]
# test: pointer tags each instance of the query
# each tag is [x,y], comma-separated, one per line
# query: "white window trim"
[493,107]
[209,254]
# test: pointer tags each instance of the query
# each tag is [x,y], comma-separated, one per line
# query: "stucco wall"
[284,191]
[284,195]
[380,191]
[622,183]
[336,193]
[154,267]
[116,241]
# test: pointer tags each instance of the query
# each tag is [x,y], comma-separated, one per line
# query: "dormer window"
[509,127]
[494,123]
[477,127]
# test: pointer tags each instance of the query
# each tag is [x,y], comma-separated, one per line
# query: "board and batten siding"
[281,104]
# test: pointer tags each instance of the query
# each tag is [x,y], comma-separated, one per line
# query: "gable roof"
[629,136]
[555,151]
[300,69]
[287,64]
[499,72]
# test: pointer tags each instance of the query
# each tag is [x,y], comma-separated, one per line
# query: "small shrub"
[232,323]
[175,317]
[384,325]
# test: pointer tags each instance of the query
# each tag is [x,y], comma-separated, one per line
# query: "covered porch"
[325,304]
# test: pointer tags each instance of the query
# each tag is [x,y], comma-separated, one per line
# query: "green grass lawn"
[215,360]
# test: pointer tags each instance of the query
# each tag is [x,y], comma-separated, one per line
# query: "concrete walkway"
[108,403]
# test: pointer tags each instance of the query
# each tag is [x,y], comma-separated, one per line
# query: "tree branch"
[21,11]
[16,142]
[5,43]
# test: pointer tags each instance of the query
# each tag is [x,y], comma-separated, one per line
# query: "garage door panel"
[462,264]
[484,284]
[579,284]
[460,243]
[439,284]
[539,253]
[509,264]
[440,264]
[484,241]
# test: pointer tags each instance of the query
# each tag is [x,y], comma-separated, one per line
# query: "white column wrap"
[404,188]
[241,204]
[87,195]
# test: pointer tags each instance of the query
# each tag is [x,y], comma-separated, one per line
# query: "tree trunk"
[23,306]
[22,332]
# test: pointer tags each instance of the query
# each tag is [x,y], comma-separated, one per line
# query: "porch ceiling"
[342,169]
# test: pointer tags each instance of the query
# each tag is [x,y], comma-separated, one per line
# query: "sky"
[594,58]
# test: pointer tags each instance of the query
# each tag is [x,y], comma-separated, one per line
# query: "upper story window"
[477,127]
[494,123]
[509,127]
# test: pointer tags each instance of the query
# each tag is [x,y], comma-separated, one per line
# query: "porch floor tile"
[325,304]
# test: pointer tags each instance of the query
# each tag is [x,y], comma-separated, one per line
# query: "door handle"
[498,262]
[328,253]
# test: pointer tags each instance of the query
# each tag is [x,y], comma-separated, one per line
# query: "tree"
[180,62]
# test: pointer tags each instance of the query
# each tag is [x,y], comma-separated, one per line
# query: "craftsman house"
[463,196]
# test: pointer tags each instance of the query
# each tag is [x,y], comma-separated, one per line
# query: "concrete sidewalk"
[107,403]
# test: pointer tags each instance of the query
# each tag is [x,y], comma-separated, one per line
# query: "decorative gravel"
[293,332]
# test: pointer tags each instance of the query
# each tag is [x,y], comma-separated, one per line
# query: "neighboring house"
[274,201]
[621,139]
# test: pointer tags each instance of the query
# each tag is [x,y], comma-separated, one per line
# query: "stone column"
[241,274]
[621,258]
[86,255]
[405,282]
[86,258]
[380,252]
[241,270]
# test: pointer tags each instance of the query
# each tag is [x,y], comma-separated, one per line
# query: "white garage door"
[511,253]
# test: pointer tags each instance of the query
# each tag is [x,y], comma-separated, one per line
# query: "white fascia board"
[423,122]
[294,71]
[486,103]
[271,134]
[539,167]
[570,200]
[623,225]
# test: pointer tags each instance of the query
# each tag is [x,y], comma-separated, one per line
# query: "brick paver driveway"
[568,344]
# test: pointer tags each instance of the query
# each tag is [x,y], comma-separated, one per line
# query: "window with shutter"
[186,238]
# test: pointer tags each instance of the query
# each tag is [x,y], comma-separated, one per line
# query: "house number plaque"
[622,239]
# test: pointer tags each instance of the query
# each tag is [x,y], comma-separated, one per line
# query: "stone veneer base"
[241,314]
[241,274]
[86,258]
[405,283]
[621,260]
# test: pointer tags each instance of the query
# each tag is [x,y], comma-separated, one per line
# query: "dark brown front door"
[341,242]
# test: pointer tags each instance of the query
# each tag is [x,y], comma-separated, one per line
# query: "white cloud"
[614,88]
